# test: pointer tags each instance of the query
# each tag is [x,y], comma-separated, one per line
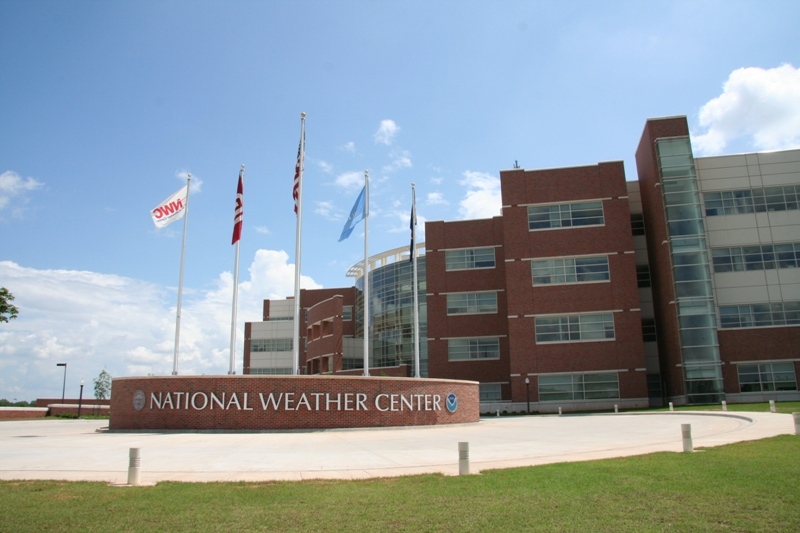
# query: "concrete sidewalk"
[84,449]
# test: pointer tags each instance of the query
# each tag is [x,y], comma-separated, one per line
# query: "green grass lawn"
[749,486]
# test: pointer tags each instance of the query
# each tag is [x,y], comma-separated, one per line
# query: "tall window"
[637,224]
[473,348]
[466,303]
[767,377]
[347,313]
[570,270]
[563,387]
[649,330]
[469,258]
[566,215]
[643,276]
[759,315]
[572,328]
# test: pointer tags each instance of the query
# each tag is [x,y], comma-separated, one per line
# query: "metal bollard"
[463,458]
[772,406]
[686,431]
[724,405]
[133,466]
[671,407]
[796,423]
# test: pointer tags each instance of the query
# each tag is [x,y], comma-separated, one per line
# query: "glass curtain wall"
[392,310]
[691,272]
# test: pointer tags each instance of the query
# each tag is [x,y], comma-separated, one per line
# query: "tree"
[6,309]
[102,386]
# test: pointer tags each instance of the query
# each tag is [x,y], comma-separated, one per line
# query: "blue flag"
[356,215]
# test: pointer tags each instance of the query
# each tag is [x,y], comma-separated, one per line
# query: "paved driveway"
[86,450]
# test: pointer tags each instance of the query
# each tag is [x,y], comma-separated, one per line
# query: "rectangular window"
[760,315]
[566,387]
[347,313]
[271,345]
[637,224]
[469,303]
[565,215]
[570,270]
[764,257]
[752,201]
[490,392]
[767,377]
[473,348]
[573,328]
[271,371]
[469,258]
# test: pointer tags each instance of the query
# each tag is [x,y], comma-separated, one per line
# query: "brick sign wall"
[289,402]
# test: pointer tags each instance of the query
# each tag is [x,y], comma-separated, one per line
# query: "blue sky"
[105,106]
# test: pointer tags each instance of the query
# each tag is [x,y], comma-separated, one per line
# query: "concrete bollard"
[772,406]
[671,407]
[686,431]
[616,408]
[498,412]
[463,458]
[559,411]
[796,423]
[134,465]
[724,405]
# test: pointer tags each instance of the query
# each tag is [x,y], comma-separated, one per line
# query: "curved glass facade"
[391,308]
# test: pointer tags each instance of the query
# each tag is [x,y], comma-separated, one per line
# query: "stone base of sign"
[261,403]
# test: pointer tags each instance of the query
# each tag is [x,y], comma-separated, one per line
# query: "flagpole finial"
[242,166]
[303,114]
[413,184]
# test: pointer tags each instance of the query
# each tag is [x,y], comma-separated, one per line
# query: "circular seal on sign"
[138,400]
[451,402]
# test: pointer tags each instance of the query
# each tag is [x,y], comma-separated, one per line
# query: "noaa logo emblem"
[138,400]
[451,402]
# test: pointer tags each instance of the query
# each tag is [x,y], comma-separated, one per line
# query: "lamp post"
[528,393]
[64,386]
[80,400]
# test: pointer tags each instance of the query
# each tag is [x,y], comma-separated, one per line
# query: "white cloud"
[400,159]
[325,167]
[349,147]
[436,198]
[327,210]
[482,199]
[98,321]
[386,132]
[760,106]
[262,229]
[350,180]
[14,187]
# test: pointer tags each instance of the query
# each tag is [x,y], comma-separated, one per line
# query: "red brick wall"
[249,414]
[22,413]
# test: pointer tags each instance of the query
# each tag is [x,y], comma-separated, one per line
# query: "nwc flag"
[238,212]
[171,209]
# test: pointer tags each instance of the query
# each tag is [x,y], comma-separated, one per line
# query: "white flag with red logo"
[238,211]
[171,209]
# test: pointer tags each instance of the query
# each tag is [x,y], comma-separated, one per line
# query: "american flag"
[298,169]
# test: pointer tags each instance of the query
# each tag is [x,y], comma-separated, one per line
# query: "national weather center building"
[588,291]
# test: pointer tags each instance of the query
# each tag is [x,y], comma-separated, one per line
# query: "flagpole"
[180,281]
[237,219]
[299,211]
[366,273]
[415,284]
